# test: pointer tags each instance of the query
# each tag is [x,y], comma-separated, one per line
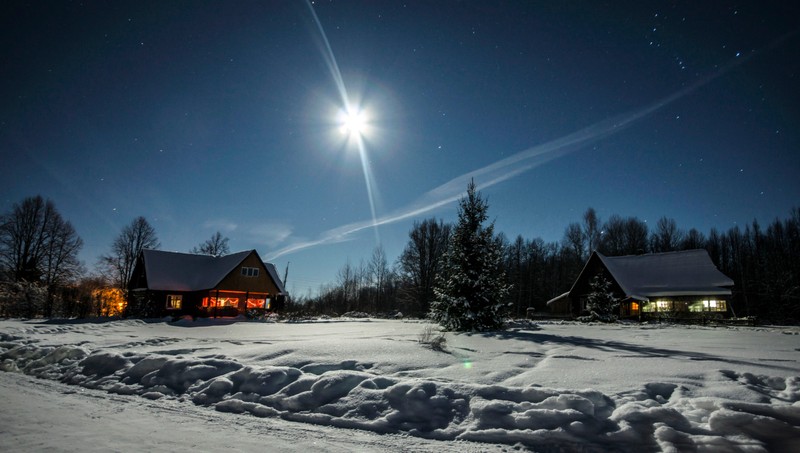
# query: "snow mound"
[657,417]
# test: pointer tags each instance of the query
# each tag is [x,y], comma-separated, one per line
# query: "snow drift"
[736,410]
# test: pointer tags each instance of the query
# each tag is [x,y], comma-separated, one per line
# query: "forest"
[762,261]
[41,275]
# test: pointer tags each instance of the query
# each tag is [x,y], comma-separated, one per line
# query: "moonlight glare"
[353,120]
[507,168]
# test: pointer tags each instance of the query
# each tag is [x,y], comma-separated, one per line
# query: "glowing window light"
[174,302]
[255,303]
[221,302]
[111,301]
[663,304]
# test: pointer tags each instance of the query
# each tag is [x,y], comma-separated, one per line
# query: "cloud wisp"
[513,165]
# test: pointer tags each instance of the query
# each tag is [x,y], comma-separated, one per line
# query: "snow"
[686,272]
[545,386]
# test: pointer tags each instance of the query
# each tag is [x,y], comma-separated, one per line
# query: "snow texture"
[552,387]
[687,272]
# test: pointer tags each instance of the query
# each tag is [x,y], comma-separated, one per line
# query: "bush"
[21,299]
[432,338]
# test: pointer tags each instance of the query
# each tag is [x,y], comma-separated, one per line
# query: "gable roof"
[273,272]
[173,271]
[683,273]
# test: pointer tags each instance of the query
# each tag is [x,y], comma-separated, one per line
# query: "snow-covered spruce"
[471,290]
[601,301]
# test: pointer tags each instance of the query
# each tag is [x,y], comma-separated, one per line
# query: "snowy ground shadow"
[619,346]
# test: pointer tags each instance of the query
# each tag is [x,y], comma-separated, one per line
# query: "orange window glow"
[255,303]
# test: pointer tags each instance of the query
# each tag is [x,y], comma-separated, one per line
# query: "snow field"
[373,376]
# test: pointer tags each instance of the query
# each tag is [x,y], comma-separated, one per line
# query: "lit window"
[228,302]
[709,305]
[174,301]
[221,302]
[255,303]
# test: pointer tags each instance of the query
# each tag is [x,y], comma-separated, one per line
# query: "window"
[709,305]
[174,301]
[250,271]
[221,302]
[255,303]
[228,302]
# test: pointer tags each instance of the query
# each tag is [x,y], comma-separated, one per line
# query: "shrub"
[432,338]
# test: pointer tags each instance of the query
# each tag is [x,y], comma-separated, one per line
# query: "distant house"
[672,284]
[170,283]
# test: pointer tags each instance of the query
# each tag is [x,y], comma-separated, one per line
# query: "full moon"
[353,122]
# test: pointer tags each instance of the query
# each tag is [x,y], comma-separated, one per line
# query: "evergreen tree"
[471,290]
[601,301]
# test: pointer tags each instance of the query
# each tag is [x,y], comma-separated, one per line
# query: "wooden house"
[171,283]
[682,284]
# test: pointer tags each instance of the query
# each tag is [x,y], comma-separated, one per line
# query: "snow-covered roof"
[684,273]
[558,298]
[188,272]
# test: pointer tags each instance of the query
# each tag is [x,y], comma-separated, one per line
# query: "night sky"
[215,115]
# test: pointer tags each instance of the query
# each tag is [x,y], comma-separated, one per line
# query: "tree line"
[762,261]
[41,275]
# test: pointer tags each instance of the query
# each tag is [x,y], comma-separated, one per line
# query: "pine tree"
[601,301]
[471,290]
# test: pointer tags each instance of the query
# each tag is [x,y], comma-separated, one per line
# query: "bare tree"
[635,236]
[694,239]
[37,245]
[23,237]
[574,241]
[378,270]
[134,238]
[591,230]
[623,236]
[516,264]
[420,262]
[613,236]
[60,264]
[666,237]
[216,246]
[348,282]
